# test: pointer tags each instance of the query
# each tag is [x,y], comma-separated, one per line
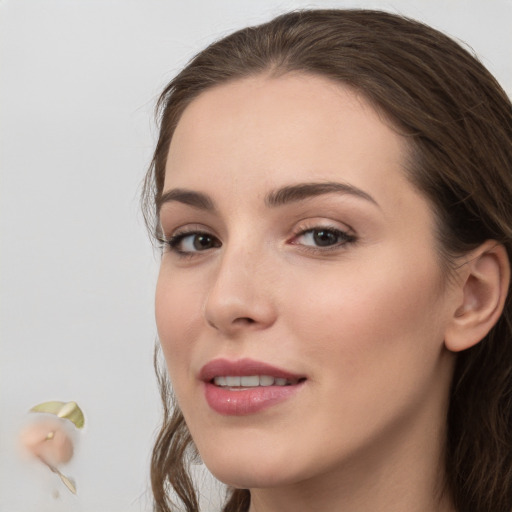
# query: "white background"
[78,83]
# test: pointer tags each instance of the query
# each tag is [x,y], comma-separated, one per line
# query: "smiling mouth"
[245,386]
[252,381]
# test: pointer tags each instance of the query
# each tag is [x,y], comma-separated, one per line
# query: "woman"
[332,191]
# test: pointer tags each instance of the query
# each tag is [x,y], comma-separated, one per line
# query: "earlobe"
[485,278]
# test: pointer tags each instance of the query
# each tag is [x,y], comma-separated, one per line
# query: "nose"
[241,293]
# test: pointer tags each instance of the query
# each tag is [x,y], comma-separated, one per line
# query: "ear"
[484,281]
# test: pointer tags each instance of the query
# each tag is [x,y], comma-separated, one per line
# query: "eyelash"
[175,240]
[343,238]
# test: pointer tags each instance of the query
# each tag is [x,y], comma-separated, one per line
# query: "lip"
[244,401]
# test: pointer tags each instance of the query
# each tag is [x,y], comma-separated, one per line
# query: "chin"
[249,469]
[243,478]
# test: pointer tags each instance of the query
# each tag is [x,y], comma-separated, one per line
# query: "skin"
[363,319]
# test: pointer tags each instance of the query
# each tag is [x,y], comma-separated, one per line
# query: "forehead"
[266,130]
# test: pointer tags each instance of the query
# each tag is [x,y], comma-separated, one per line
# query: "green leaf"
[67,410]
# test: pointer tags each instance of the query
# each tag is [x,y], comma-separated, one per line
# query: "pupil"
[202,242]
[324,238]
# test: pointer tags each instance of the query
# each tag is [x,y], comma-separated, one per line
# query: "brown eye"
[323,237]
[202,242]
[189,243]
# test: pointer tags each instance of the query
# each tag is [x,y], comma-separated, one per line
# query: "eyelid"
[169,232]
[322,223]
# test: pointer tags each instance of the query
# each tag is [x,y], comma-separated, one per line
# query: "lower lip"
[233,402]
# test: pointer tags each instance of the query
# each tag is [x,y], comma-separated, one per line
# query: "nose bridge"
[240,295]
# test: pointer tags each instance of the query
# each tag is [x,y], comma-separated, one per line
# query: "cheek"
[364,316]
[176,312]
[372,341]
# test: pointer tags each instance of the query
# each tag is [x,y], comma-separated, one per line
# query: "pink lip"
[241,402]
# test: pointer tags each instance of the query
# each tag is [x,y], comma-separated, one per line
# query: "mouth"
[245,386]
[252,381]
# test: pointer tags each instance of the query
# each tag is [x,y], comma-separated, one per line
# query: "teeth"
[233,381]
[266,380]
[220,381]
[250,381]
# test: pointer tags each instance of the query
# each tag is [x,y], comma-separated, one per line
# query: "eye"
[192,242]
[323,237]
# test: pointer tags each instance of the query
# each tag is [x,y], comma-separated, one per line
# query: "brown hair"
[458,122]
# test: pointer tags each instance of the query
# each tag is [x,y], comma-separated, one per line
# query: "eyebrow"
[279,197]
[190,197]
[301,191]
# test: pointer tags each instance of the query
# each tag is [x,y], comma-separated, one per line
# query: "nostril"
[244,320]
[240,321]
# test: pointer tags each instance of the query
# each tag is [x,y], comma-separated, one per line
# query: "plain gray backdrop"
[78,83]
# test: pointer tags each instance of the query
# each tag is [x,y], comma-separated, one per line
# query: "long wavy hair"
[458,124]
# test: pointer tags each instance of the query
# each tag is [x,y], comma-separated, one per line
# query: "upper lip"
[243,367]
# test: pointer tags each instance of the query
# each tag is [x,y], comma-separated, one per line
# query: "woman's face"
[300,304]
